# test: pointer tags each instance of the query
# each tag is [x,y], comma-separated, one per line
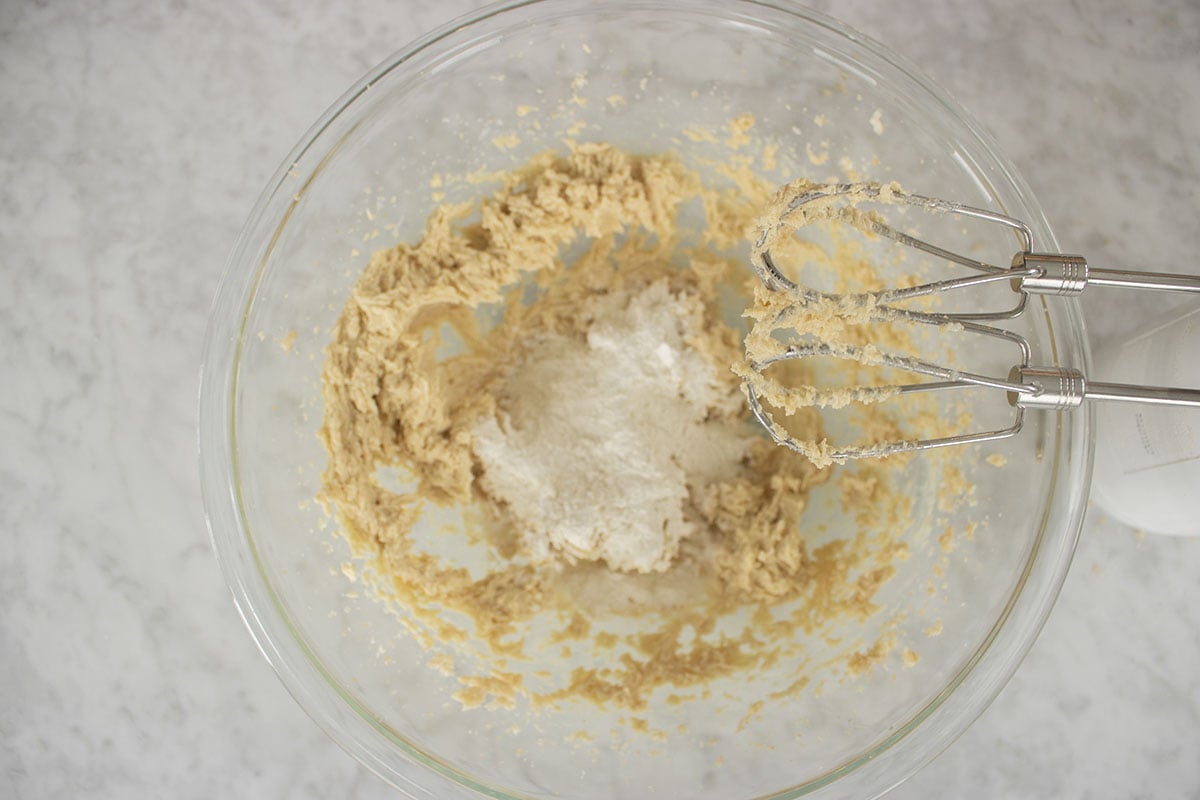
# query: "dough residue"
[791,324]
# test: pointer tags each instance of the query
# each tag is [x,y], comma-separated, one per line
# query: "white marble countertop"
[134,138]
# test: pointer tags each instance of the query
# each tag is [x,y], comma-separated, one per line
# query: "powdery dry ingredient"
[601,441]
[526,423]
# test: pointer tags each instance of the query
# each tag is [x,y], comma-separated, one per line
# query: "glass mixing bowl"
[484,94]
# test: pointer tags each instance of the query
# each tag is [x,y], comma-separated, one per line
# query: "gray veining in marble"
[134,137]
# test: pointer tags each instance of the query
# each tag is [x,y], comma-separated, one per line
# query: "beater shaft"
[1130,279]
[1131,393]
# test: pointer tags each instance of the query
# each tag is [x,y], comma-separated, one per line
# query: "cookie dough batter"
[596,426]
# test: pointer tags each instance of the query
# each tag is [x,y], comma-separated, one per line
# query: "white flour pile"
[599,441]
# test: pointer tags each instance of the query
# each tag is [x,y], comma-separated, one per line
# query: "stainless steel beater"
[1026,385]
